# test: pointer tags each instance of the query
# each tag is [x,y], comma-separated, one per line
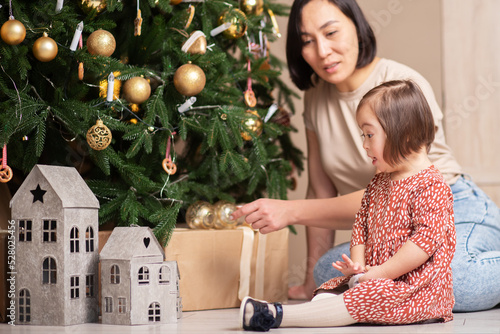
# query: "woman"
[331,53]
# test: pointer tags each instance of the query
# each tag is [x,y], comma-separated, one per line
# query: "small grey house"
[137,286]
[56,217]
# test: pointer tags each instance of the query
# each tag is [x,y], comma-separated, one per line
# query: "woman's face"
[330,42]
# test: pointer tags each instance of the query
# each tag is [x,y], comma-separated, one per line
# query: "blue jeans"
[476,264]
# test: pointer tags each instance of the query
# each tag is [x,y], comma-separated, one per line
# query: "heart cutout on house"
[146,242]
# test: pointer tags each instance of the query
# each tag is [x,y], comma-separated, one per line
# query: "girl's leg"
[328,310]
[323,271]
[476,264]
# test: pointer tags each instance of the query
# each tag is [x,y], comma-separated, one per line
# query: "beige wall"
[407,31]
[471,76]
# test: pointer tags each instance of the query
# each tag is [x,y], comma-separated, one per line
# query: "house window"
[49,271]
[49,230]
[122,305]
[24,306]
[115,274]
[74,287]
[143,275]
[108,304]
[89,239]
[89,286]
[74,241]
[164,276]
[25,228]
[154,312]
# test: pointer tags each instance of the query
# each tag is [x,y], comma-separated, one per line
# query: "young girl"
[403,237]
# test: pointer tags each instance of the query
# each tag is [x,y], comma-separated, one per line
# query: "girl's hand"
[348,267]
[372,272]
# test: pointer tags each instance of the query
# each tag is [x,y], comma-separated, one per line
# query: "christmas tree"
[157,103]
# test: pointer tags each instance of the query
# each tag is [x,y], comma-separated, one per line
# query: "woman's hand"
[348,267]
[266,215]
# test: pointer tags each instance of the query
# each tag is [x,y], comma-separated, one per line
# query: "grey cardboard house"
[56,217]
[137,285]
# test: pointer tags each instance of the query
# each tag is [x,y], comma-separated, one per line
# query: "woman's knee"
[323,270]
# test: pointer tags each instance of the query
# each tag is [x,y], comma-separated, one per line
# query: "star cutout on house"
[38,194]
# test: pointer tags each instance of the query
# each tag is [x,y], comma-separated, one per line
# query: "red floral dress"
[418,208]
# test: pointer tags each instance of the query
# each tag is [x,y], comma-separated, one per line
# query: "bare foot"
[301,292]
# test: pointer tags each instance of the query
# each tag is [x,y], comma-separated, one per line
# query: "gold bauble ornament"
[175,2]
[189,79]
[136,90]
[223,211]
[45,48]
[196,43]
[238,22]
[251,124]
[252,7]
[88,5]
[102,43]
[103,87]
[13,32]
[99,136]
[200,215]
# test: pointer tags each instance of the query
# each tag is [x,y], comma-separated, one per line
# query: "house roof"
[66,182]
[126,243]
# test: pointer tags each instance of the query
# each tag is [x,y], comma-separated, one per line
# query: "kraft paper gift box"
[218,268]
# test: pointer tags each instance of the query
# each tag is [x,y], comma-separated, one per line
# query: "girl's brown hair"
[403,111]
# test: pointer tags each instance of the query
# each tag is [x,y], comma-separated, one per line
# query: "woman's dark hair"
[404,114]
[300,71]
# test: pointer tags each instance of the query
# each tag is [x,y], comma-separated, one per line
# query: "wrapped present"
[218,268]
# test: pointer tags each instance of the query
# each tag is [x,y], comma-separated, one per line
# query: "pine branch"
[48,109]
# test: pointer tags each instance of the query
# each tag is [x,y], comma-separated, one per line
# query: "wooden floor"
[226,321]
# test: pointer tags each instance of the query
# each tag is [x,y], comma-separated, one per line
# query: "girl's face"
[374,138]
[330,42]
